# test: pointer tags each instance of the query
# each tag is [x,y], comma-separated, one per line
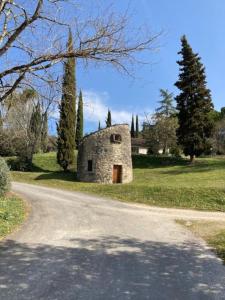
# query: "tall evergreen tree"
[1,121]
[222,112]
[109,119]
[80,121]
[44,132]
[35,129]
[166,108]
[194,103]
[132,131]
[137,127]
[99,125]
[66,126]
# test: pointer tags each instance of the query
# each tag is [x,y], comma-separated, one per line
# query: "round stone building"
[105,156]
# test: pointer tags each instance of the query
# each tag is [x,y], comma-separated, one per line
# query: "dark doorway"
[90,166]
[117,174]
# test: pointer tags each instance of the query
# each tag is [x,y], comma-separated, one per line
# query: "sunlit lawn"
[160,181]
[12,214]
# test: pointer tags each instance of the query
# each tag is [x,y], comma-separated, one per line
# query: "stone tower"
[105,156]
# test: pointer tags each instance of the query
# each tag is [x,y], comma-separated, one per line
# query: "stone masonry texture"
[104,154]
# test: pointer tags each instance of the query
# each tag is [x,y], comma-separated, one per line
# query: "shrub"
[19,164]
[4,177]
[176,151]
[7,144]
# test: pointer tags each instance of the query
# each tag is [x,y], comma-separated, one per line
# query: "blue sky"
[203,22]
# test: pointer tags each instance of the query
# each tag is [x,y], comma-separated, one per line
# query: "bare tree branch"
[98,39]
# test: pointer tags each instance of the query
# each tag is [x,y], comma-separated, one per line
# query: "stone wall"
[99,148]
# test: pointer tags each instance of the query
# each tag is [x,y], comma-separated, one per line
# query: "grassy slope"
[12,214]
[157,181]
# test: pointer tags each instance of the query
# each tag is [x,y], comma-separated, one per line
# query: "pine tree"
[137,127]
[99,125]
[132,131]
[44,132]
[109,119]
[79,127]
[166,104]
[194,103]
[165,123]
[66,125]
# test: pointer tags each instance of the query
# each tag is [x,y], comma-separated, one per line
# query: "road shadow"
[197,167]
[152,162]
[60,175]
[184,166]
[108,268]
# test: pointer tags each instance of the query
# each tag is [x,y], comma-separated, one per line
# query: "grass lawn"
[165,182]
[12,214]
[212,232]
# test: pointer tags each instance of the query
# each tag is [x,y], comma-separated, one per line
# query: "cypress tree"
[99,125]
[194,103]
[137,127]
[109,119]
[35,128]
[132,131]
[66,125]
[79,127]
[1,121]
[44,132]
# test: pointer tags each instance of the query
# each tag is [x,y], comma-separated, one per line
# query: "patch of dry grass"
[212,232]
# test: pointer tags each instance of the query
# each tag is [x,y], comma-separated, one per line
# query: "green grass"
[161,181]
[12,214]
[218,243]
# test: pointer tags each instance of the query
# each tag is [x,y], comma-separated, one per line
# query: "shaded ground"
[108,268]
[81,247]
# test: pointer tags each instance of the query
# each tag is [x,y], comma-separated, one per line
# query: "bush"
[175,151]
[7,144]
[4,177]
[19,164]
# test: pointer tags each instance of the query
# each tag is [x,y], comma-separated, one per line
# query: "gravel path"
[75,246]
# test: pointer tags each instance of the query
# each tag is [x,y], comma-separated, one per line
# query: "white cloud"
[96,108]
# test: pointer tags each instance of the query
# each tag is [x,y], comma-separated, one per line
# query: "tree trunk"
[165,148]
[192,159]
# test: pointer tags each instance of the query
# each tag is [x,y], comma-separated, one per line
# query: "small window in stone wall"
[116,138]
[90,166]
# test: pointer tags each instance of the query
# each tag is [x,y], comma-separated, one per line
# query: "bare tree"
[15,136]
[32,39]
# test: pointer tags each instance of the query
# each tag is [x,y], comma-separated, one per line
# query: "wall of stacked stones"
[104,154]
